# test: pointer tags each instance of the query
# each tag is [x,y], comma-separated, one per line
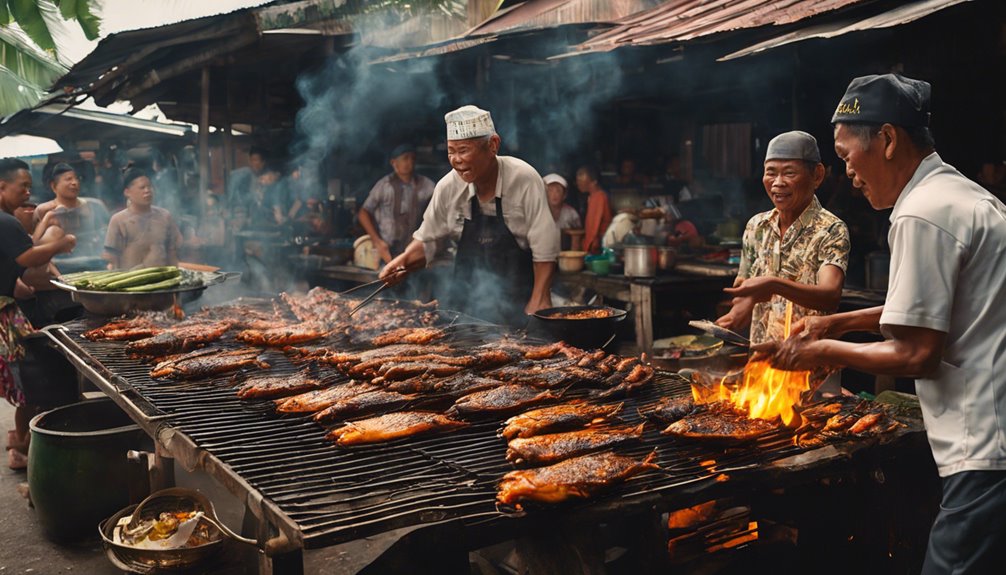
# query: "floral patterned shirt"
[816,239]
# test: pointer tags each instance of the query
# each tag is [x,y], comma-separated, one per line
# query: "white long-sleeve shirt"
[525,210]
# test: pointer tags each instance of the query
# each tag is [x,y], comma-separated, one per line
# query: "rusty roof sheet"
[552,13]
[683,20]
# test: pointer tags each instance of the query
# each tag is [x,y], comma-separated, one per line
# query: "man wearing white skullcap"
[494,207]
[796,252]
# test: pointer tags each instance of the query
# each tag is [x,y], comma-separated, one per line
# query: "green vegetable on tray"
[134,281]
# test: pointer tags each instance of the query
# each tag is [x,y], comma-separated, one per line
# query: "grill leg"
[162,471]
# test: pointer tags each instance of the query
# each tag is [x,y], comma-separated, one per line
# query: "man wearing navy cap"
[944,318]
[796,252]
[395,205]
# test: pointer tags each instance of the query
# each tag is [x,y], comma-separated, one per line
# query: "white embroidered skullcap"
[469,122]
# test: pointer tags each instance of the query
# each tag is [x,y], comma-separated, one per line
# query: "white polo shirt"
[525,210]
[948,273]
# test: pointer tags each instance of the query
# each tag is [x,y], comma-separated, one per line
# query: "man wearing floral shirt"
[796,252]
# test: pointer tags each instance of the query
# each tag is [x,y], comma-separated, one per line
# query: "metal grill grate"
[336,494]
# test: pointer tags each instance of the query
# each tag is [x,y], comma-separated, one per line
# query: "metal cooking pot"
[640,261]
[667,256]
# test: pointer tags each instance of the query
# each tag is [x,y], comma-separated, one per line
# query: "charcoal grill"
[307,493]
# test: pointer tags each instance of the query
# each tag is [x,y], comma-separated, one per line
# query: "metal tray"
[117,303]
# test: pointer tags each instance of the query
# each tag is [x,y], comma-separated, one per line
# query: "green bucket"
[78,472]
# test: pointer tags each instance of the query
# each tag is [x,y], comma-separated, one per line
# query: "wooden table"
[642,294]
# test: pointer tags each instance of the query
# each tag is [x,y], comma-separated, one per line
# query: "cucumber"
[134,281]
[166,284]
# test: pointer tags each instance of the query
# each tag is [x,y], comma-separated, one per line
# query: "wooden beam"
[204,141]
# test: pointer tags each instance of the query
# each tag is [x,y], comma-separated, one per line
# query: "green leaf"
[29,18]
[89,23]
[4,13]
[67,8]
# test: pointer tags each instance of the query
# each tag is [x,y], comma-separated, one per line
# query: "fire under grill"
[316,494]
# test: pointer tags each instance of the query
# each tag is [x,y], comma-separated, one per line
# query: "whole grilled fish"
[392,426]
[720,422]
[579,477]
[557,418]
[455,385]
[207,362]
[670,409]
[179,338]
[319,399]
[265,386]
[366,402]
[418,335]
[283,334]
[554,447]
[129,329]
[628,376]
[500,399]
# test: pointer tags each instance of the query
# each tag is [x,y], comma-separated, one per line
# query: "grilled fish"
[455,385]
[557,418]
[272,386]
[129,329]
[283,335]
[670,409]
[628,376]
[579,477]
[720,422]
[179,338]
[319,399]
[241,316]
[501,399]
[207,362]
[392,426]
[419,335]
[403,349]
[366,402]
[407,369]
[554,447]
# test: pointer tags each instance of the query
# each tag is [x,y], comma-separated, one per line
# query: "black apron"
[493,275]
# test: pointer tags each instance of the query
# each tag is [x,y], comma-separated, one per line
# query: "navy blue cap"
[400,149]
[885,99]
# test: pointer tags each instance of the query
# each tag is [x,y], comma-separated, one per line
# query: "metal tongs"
[369,298]
[723,333]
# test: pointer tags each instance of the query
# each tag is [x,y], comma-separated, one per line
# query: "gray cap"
[795,145]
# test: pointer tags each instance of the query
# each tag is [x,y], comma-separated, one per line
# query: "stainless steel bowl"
[117,303]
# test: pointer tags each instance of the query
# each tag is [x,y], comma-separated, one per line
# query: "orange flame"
[765,392]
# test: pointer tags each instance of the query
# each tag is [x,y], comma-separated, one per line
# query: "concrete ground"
[24,548]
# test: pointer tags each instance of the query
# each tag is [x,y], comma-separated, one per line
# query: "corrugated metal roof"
[684,20]
[895,17]
[553,13]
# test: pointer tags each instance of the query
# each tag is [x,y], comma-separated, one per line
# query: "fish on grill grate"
[364,403]
[720,422]
[183,337]
[554,447]
[241,316]
[381,365]
[455,385]
[501,399]
[207,362]
[549,374]
[580,477]
[843,418]
[283,335]
[669,409]
[418,335]
[630,374]
[338,358]
[266,386]
[392,426]
[401,371]
[319,399]
[141,326]
[557,418]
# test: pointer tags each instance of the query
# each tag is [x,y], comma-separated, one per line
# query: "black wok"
[584,333]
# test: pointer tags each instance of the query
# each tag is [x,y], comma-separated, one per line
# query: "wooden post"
[204,140]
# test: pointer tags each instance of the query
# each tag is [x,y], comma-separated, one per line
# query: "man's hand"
[382,248]
[395,272]
[23,290]
[739,316]
[796,353]
[813,327]
[759,289]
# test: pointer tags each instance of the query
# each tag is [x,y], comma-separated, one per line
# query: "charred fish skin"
[319,399]
[551,448]
[500,399]
[720,422]
[274,386]
[557,418]
[364,403]
[580,477]
[392,426]
[670,409]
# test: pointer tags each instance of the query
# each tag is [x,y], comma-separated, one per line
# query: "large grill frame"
[467,462]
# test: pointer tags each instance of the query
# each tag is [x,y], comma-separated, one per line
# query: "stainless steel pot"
[640,261]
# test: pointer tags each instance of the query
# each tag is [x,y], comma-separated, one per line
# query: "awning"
[684,20]
[895,17]
[60,122]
